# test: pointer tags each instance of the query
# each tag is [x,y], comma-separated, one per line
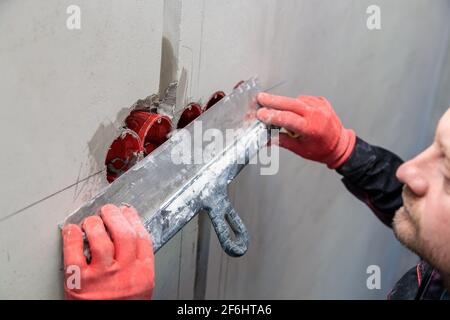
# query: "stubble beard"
[406,230]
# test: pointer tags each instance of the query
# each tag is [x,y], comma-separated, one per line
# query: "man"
[411,197]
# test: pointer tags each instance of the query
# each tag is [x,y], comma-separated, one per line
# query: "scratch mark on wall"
[200,46]
[87,188]
[190,70]
[219,287]
[8,216]
[75,194]
[98,147]
[180,256]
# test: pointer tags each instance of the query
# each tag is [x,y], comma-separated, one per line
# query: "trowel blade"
[157,178]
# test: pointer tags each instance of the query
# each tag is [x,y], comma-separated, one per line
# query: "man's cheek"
[435,222]
[438,211]
[435,236]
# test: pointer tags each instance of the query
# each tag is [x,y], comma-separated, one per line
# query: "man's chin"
[405,230]
[408,233]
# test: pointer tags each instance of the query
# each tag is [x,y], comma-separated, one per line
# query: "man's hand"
[321,136]
[122,262]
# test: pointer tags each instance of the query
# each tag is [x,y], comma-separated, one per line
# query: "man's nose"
[410,173]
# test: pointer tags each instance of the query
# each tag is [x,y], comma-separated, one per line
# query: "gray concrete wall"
[64,96]
[310,237]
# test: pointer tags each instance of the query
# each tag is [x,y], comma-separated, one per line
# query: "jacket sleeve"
[369,174]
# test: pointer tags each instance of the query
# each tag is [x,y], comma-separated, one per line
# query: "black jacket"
[369,174]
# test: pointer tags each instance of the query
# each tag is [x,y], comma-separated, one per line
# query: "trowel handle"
[224,217]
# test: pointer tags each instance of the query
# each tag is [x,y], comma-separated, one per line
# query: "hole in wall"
[123,153]
[215,97]
[145,130]
[152,128]
[190,113]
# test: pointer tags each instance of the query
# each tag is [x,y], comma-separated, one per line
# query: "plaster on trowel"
[168,194]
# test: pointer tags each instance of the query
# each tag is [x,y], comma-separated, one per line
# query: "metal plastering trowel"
[185,174]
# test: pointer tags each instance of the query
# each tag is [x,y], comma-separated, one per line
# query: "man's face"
[423,223]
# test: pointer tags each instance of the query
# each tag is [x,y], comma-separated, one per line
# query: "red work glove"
[320,134]
[121,267]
